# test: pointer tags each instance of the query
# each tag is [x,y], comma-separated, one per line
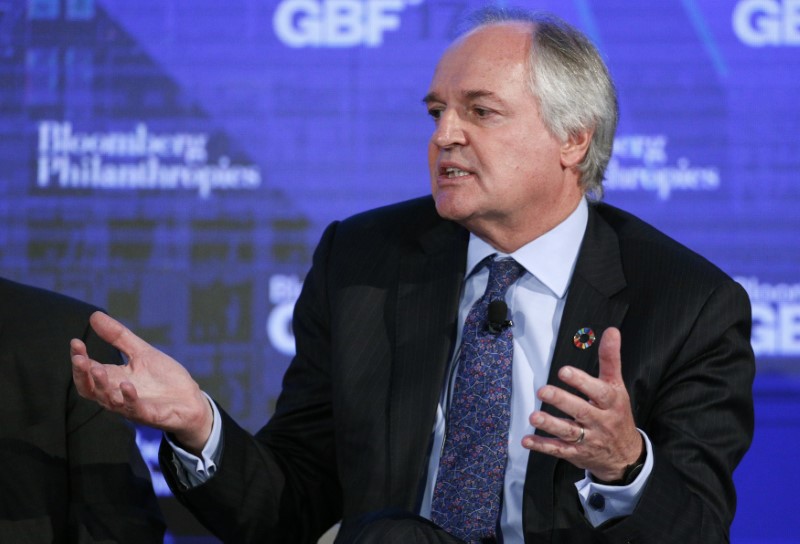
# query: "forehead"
[489,56]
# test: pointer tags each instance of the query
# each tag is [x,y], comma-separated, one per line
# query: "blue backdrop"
[175,162]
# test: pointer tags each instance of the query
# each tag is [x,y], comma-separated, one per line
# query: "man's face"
[494,166]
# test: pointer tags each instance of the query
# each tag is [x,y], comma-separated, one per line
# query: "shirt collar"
[550,258]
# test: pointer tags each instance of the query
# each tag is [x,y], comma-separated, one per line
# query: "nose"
[449,130]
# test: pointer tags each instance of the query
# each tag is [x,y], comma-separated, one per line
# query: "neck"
[508,237]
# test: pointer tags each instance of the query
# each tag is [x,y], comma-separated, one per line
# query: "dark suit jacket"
[69,470]
[375,327]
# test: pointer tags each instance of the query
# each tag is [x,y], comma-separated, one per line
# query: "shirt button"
[597,501]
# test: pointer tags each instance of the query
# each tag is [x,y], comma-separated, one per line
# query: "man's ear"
[574,149]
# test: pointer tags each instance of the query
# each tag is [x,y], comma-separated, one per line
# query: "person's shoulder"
[421,210]
[647,250]
[402,221]
[371,242]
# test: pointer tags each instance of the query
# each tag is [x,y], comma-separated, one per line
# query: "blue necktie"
[469,485]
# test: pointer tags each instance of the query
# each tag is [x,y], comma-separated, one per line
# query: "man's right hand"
[153,389]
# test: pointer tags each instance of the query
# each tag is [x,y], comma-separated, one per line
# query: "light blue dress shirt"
[536,304]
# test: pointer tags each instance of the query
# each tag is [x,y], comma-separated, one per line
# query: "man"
[600,441]
[70,472]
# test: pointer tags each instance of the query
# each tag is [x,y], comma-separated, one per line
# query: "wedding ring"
[580,437]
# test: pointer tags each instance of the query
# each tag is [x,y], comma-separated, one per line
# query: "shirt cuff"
[604,502]
[191,469]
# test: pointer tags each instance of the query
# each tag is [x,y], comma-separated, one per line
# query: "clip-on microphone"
[498,313]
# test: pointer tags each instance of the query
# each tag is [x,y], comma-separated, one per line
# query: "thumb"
[117,334]
[610,358]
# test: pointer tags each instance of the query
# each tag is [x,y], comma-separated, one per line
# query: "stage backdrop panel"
[176,162]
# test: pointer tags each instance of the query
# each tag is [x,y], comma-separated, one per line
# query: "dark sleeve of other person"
[69,470]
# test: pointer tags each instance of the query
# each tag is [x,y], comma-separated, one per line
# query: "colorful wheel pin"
[584,338]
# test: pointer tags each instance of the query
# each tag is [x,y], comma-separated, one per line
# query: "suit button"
[597,502]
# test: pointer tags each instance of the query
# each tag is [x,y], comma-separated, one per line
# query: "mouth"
[452,172]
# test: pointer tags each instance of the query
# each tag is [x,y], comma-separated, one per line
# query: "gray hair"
[571,83]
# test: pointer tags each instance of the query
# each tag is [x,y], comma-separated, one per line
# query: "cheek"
[433,157]
[432,168]
[433,154]
[542,157]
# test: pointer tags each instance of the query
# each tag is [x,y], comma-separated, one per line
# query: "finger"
[600,393]
[117,334]
[77,347]
[550,446]
[104,392]
[610,358]
[565,430]
[82,369]
[572,405]
[139,410]
[130,400]
[81,366]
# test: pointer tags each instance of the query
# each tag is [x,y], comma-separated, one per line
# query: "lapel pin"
[584,338]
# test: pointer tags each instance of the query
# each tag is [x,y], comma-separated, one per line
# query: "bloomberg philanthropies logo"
[135,159]
[337,23]
[641,163]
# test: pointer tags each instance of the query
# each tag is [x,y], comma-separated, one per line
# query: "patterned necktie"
[469,485]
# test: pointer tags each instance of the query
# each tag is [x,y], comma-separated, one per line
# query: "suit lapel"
[591,305]
[427,306]
[590,302]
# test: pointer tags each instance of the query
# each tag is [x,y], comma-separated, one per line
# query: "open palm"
[153,389]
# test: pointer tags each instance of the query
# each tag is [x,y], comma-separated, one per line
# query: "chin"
[448,206]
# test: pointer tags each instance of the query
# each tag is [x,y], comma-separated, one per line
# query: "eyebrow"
[469,95]
[430,97]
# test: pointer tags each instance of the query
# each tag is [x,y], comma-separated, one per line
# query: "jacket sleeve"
[280,485]
[701,424]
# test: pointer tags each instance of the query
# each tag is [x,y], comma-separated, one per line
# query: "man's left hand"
[601,437]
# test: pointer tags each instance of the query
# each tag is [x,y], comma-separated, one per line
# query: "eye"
[481,112]
[435,113]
